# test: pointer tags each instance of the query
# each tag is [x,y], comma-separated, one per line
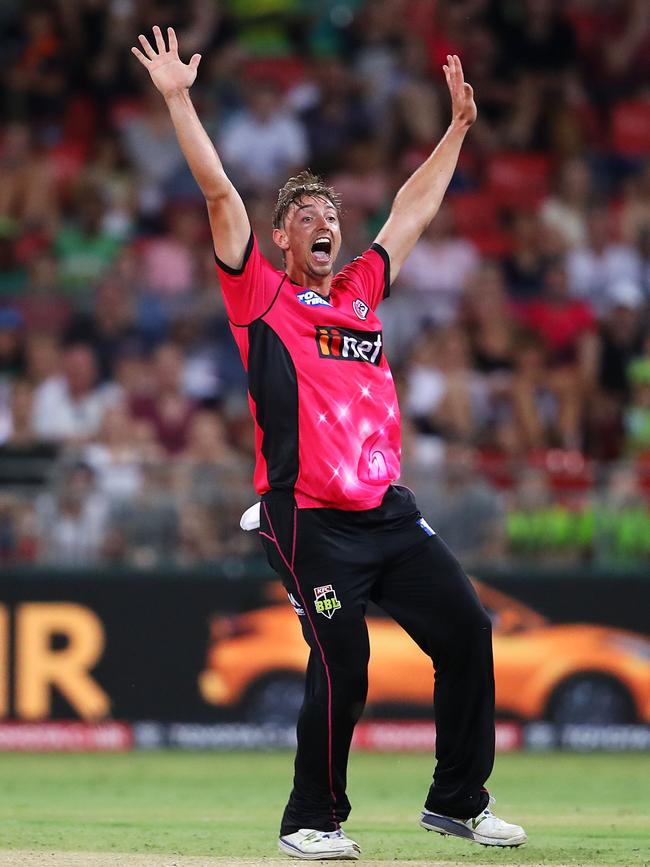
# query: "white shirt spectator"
[262,152]
[428,387]
[437,272]
[592,273]
[119,477]
[72,537]
[567,221]
[57,415]
[151,145]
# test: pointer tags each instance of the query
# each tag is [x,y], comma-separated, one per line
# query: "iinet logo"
[345,344]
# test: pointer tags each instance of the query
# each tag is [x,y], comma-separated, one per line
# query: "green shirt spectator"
[85,250]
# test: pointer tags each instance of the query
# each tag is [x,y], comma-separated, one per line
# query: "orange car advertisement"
[570,673]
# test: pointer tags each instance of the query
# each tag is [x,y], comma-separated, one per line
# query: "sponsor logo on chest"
[347,344]
[312,299]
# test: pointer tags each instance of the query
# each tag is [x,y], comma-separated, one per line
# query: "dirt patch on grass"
[104,859]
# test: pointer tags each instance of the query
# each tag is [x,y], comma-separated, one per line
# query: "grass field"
[159,809]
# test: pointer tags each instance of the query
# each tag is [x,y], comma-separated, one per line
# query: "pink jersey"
[320,388]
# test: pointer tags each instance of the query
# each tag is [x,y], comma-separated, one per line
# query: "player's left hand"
[463,107]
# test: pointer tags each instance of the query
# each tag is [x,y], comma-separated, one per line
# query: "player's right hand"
[167,70]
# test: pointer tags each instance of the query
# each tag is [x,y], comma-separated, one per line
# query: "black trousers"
[333,562]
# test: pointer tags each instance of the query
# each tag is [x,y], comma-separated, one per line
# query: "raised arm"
[418,201]
[173,78]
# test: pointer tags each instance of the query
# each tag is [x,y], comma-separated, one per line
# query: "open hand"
[167,70]
[463,107]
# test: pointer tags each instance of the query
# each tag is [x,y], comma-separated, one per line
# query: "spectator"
[601,262]
[524,268]
[362,177]
[144,531]
[445,396]
[12,348]
[16,425]
[40,73]
[25,461]
[198,542]
[492,332]
[417,114]
[169,261]
[13,274]
[165,406]
[462,508]
[115,457]
[84,248]
[542,40]
[110,330]
[202,348]
[43,355]
[437,271]
[150,143]
[211,473]
[27,193]
[377,33]
[625,52]
[331,112]
[566,210]
[637,413]
[264,143]
[489,321]
[619,340]
[41,305]
[421,454]
[70,406]
[642,253]
[108,173]
[73,521]
[565,324]
[18,537]
[635,209]
[546,404]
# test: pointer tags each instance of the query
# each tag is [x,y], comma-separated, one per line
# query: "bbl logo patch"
[326,602]
[427,529]
[312,299]
[360,308]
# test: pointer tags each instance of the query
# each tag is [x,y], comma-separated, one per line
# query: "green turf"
[577,809]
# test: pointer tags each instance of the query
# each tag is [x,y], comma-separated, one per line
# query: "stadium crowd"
[518,328]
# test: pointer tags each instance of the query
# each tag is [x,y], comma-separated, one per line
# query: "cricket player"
[333,524]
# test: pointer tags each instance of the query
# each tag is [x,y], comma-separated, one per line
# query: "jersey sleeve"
[249,291]
[369,274]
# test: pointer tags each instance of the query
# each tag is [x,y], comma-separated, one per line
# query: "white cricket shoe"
[319,846]
[486,828]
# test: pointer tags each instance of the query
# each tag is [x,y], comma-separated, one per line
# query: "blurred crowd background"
[518,329]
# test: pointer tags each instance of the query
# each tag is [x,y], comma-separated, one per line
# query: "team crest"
[360,308]
[326,602]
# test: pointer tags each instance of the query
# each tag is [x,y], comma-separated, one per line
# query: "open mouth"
[321,249]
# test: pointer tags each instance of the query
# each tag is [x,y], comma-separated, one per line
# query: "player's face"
[312,236]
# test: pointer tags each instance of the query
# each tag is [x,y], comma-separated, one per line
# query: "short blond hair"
[303,184]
